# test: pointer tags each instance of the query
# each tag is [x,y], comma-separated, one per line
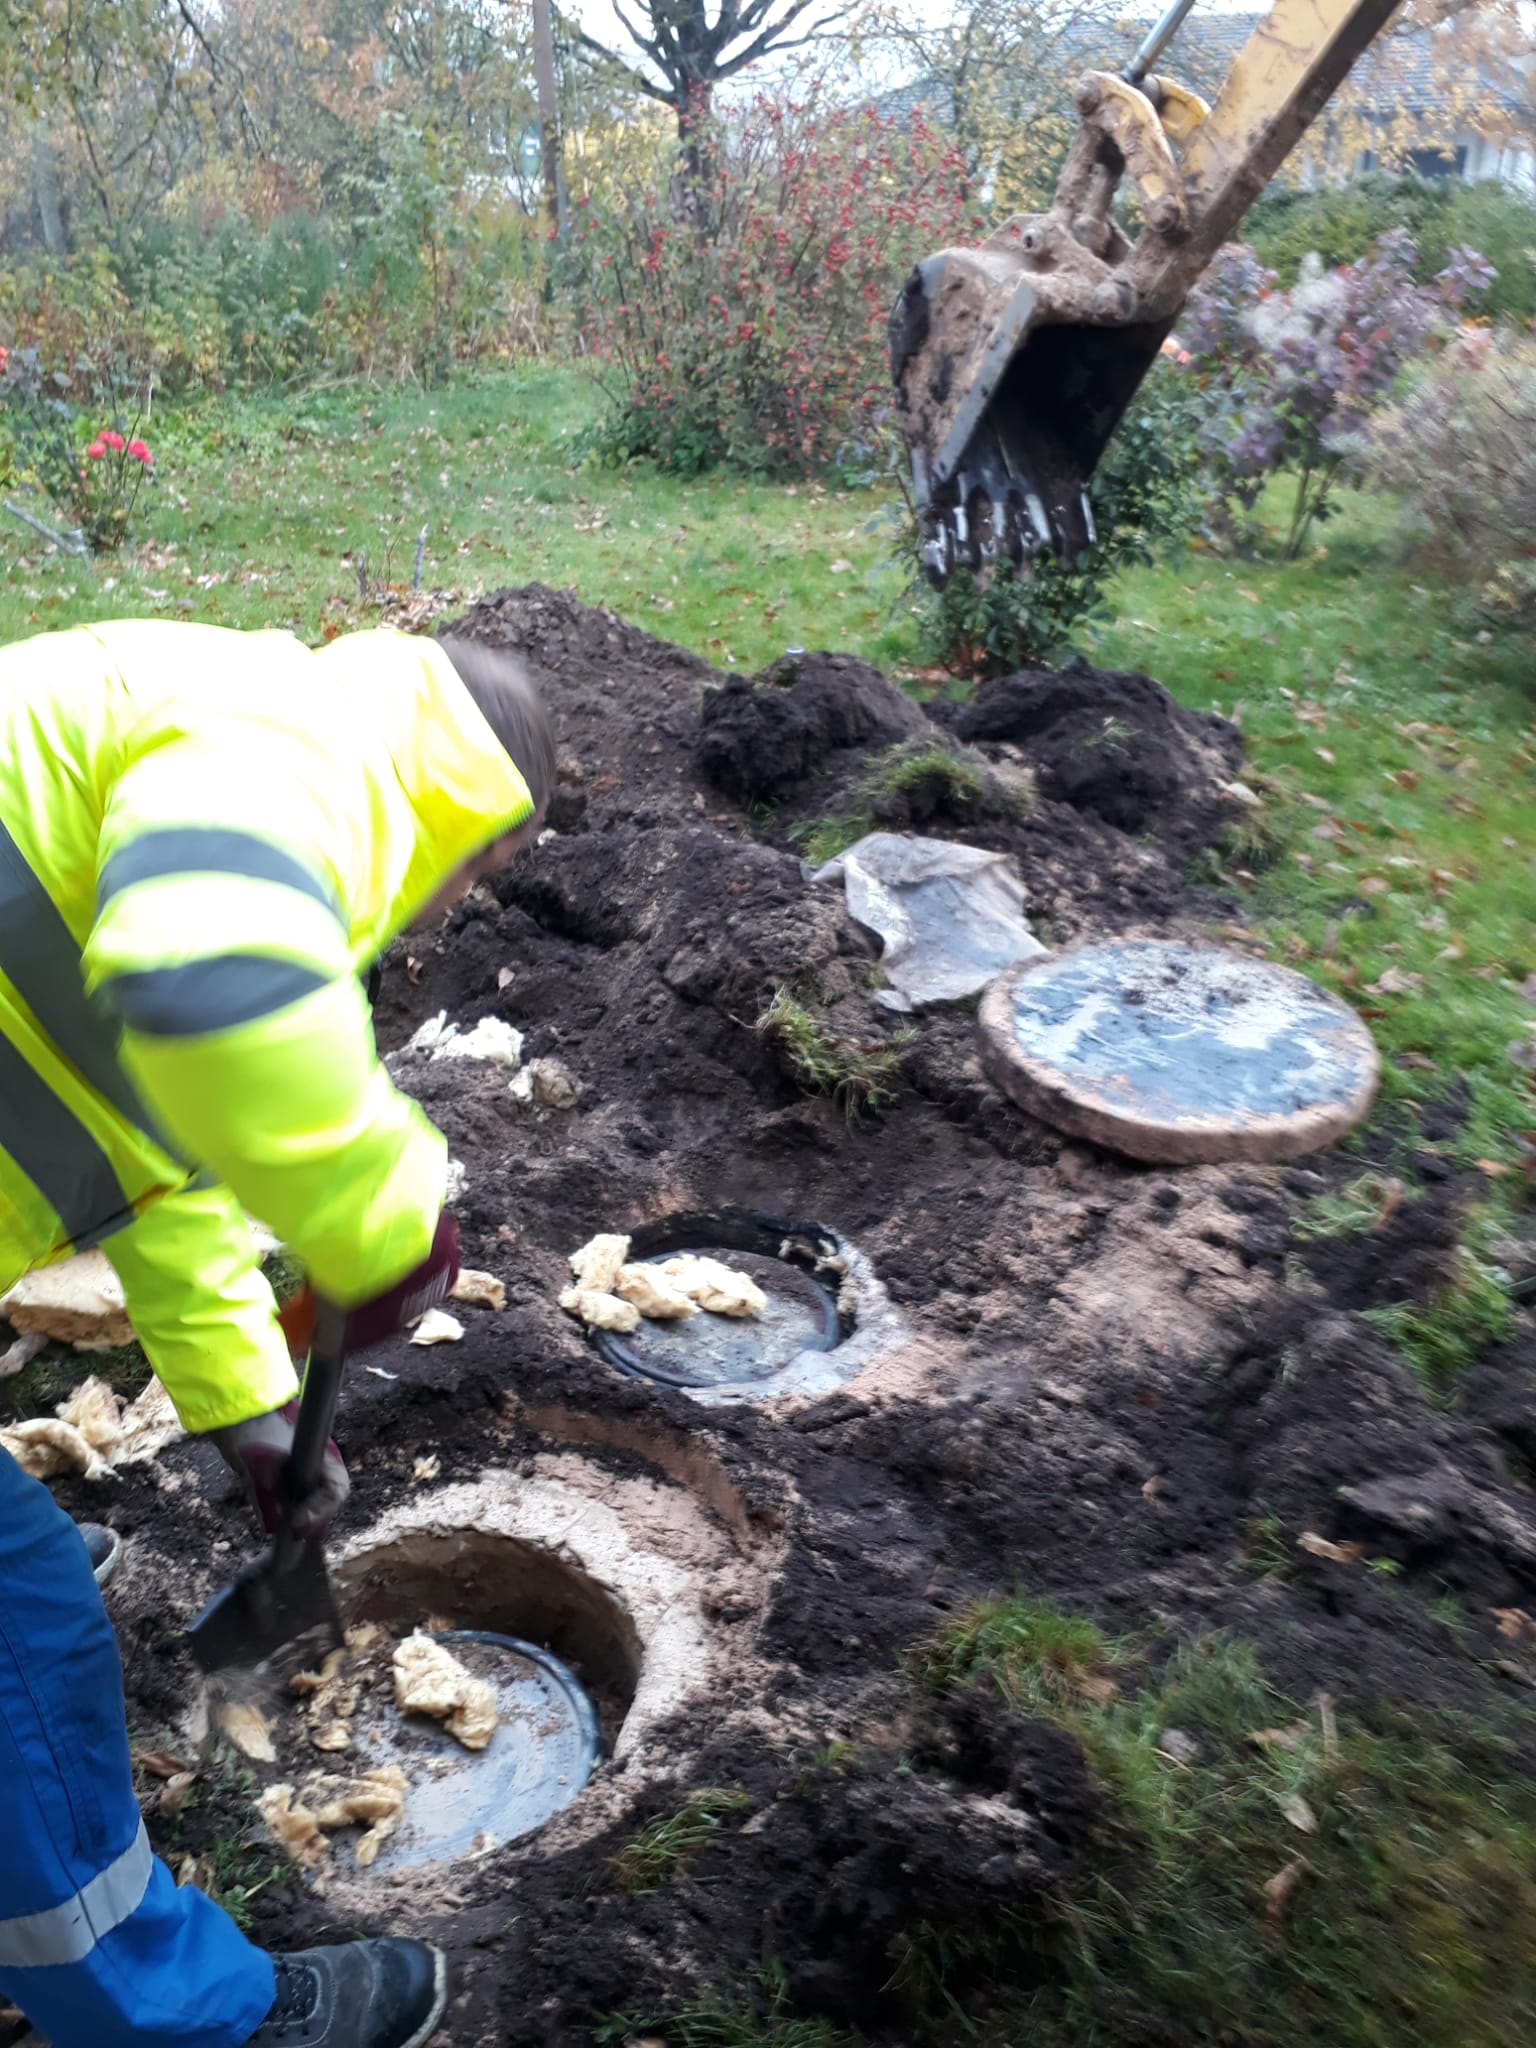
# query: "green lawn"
[263,506]
[1392,741]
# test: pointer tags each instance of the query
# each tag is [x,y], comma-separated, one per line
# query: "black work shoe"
[362,1994]
[103,1547]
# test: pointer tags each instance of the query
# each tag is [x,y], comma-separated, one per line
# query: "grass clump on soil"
[1441,1338]
[757,2018]
[911,763]
[1264,1874]
[912,782]
[1041,1658]
[823,839]
[663,1846]
[1362,1204]
[860,1079]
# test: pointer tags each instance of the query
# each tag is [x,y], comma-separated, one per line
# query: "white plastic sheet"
[951,918]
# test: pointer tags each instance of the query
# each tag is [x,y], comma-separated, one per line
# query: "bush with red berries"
[735,308]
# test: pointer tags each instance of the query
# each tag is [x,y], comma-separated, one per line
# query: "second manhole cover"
[1179,1053]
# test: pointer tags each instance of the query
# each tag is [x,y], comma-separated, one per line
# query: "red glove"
[258,1452]
[426,1286]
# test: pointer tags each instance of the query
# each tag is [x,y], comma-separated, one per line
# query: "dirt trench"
[1104,1379]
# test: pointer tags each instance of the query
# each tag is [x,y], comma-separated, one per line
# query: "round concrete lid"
[1178,1053]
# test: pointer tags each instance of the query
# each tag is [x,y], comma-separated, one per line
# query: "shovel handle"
[317,1401]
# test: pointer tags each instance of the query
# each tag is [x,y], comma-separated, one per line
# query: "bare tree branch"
[770,40]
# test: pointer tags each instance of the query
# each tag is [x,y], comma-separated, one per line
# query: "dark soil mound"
[762,737]
[1081,1328]
[1117,745]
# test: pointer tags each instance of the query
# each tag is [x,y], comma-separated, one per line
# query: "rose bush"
[92,481]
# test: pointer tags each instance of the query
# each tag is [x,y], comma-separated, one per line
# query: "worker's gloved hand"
[258,1452]
[426,1286]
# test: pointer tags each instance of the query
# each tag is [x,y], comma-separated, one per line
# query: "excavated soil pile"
[1079,1329]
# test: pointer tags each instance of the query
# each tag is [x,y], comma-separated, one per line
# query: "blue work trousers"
[97,1945]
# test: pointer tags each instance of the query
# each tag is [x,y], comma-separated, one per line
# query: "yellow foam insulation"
[429,1680]
[374,1801]
[93,1433]
[479,1290]
[612,1294]
[248,1728]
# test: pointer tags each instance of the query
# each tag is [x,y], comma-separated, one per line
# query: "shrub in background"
[1460,447]
[1341,222]
[1294,376]
[743,320]
[407,275]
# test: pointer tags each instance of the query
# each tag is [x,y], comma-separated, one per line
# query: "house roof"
[1401,73]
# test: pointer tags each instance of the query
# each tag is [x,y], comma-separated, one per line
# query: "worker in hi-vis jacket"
[206,837]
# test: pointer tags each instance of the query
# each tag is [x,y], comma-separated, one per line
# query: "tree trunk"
[694,186]
[45,191]
[549,107]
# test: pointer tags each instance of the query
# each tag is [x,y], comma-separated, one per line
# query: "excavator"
[1014,362]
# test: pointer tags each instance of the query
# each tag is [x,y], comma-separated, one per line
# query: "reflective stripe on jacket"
[205,836]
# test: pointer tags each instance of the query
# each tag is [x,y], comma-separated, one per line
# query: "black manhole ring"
[800,1266]
[506,1789]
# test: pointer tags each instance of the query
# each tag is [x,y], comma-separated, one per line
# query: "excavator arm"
[1014,362]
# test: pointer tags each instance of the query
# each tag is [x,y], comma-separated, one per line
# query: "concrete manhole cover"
[460,1803]
[1179,1053]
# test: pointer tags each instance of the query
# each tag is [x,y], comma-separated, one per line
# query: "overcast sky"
[883,69]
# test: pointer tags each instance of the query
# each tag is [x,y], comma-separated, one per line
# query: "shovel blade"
[280,1602]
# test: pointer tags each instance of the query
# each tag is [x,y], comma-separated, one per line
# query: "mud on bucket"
[824,1318]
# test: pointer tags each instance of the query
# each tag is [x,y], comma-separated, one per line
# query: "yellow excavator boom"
[1014,362]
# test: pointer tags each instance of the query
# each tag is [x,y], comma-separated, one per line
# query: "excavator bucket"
[1013,363]
[1007,407]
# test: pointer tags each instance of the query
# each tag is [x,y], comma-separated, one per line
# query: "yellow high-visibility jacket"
[205,837]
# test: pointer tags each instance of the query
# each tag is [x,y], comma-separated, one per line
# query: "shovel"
[285,1593]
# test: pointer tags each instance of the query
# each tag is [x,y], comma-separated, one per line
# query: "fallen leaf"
[173,1794]
[504,977]
[1326,754]
[1406,778]
[161,1763]
[1394,982]
[1329,1722]
[1418,1061]
[1098,1687]
[1336,1553]
[1278,1738]
[1515,1623]
[1152,1487]
[1493,1169]
[1374,885]
[413,970]
[839,567]
[1281,1888]
[1299,1814]
[1181,1747]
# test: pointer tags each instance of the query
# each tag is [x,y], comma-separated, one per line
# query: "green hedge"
[1341,222]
